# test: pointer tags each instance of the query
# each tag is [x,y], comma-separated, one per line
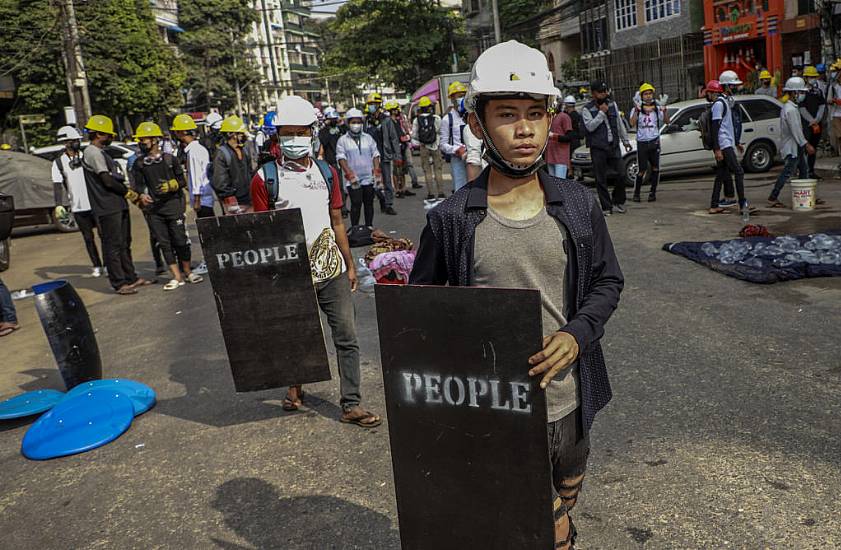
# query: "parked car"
[119,151]
[681,150]
[28,179]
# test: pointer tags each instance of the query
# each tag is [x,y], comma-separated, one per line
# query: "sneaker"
[416,185]
[97,272]
[607,213]
[636,198]
[727,203]
[409,193]
[201,269]
[399,195]
[430,197]
[441,196]
[390,211]
[652,198]
[619,208]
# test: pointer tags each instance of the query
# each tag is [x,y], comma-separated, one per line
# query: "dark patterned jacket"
[592,282]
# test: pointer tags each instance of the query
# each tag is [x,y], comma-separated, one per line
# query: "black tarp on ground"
[467,425]
[767,274]
[262,283]
[28,179]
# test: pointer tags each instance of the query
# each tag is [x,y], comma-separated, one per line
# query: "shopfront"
[743,36]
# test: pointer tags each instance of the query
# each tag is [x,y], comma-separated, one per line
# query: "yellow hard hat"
[233,125]
[456,88]
[646,87]
[183,122]
[148,129]
[425,102]
[582,90]
[5,147]
[101,123]
[764,75]
[810,71]
[391,105]
[374,97]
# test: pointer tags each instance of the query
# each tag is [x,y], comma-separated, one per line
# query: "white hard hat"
[354,113]
[729,77]
[295,111]
[68,133]
[569,99]
[507,69]
[795,84]
[214,120]
[330,112]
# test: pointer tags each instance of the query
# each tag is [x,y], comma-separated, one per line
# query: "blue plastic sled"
[141,395]
[78,424]
[29,403]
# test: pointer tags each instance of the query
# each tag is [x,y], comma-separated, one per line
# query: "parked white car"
[681,150]
[119,151]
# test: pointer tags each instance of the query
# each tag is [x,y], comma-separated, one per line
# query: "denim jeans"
[388,184]
[458,169]
[558,170]
[7,307]
[792,163]
[334,299]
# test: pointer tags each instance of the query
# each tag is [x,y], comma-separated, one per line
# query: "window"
[660,9]
[688,119]
[594,36]
[760,109]
[626,14]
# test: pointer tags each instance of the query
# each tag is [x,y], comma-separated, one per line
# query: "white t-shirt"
[726,133]
[76,188]
[648,124]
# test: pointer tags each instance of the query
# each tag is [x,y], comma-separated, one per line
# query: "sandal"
[126,290]
[776,204]
[8,328]
[366,420]
[716,211]
[193,278]
[291,403]
[820,201]
[173,284]
[141,282]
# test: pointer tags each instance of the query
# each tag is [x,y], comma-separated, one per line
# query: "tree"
[403,42]
[518,21]
[215,50]
[131,70]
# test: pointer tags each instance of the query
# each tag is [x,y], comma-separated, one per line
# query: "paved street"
[724,430]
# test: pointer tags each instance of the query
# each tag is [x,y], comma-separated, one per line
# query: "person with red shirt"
[297,180]
[557,150]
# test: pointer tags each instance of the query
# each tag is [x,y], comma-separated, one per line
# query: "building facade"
[560,39]
[479,25]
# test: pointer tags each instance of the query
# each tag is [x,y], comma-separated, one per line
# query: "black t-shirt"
[814,100]
[104,200]
[149,175]
[329,138]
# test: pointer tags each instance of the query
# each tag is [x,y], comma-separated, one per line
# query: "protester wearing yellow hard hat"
[183,123]
[765,84]
[232,168]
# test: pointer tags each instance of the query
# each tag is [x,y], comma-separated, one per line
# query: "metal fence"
[674,66]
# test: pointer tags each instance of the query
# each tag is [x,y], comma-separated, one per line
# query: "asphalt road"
[724,430]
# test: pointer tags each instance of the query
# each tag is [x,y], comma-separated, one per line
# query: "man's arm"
[623,133]
[793,122]
[444,137]
[221,180]
[634,117]
[430,267]
[807,116]
[591,123]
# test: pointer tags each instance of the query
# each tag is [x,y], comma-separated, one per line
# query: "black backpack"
[427,134]
[705,125]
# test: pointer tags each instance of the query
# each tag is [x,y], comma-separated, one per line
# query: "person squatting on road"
[68,173]
[726,136]
[425,134]
[159,180]
[793,144]
[604,129]
[196,160]
[648,117]
[519,227]
[300,181]
[109,195]
[359,158]
[232,168]
[451,137]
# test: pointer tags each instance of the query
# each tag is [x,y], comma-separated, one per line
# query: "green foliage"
[131,71]
[515,19]
[403,42]
[213,43]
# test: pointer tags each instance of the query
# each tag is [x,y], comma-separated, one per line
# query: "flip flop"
[360,421]
[290,405]
[776,204]
[713,211]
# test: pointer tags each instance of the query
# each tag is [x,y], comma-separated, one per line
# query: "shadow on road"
[259,514]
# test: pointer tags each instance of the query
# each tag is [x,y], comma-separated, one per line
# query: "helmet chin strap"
[510,169]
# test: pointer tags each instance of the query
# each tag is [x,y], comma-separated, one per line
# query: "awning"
[430,90]
[168,24]
[276,25]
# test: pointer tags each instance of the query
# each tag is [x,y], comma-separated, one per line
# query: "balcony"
[307,69]
[292,7]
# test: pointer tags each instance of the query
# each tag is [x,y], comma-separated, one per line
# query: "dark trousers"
[7,307]
[792,163]
[729,165]
[364,196]
[648,160]
[603,160]
[205,212]
[86,222]
[153,244]
[814,140]
[171,236]
[115,230]
[569,448]
[334,299]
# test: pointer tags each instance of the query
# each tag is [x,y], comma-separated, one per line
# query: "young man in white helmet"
[518,227]
[794,146]
[297,180]
[67,172]
[726,130]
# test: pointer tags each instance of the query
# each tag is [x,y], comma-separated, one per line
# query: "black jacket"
[593,279]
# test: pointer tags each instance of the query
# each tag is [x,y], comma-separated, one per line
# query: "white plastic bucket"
[803,194]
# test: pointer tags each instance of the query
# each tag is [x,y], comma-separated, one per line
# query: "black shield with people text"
[467,424]
[268,312]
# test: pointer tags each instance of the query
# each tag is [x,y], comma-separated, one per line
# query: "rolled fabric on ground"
[69,331]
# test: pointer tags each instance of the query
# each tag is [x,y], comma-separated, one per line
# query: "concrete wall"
[650,32]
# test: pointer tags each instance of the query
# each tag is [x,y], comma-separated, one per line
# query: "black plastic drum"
[69,331]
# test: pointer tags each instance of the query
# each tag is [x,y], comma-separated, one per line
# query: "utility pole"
[77,80]
[236,77]
[497,30]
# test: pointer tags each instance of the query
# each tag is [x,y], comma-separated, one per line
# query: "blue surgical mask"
[295,147]
[800,97]
[372,109]
[355,128]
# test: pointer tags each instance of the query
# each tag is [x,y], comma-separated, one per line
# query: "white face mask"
[356,127]
[295,147]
